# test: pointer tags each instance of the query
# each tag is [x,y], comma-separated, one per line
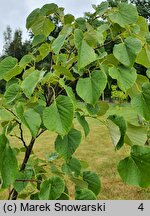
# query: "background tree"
[7,38]
[143,8]
[13,44]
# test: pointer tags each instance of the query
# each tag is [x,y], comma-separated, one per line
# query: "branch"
[42,131]
[26,180]
[21,131]
[21,136]
[10,193]
[24,163]
[10,112]
[105,44]
[48,94]
[70,53]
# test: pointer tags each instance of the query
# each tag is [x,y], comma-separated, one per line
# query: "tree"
[13,45]
[7,38]
[47,100]
[143,7]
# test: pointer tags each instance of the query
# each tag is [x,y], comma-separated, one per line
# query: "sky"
[14,12]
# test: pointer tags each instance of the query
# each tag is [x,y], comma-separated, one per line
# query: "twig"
[24,163]
[21,136]
[26,180]
[10,111]
[10,193]
[42,131]
[70,53]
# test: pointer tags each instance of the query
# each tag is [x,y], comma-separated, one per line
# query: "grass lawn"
[98,150]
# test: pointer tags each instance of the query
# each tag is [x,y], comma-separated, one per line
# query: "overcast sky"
[14,12]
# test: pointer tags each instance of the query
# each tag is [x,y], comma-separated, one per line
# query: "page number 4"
[141,207]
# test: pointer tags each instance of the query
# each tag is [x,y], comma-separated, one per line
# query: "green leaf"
[129,49]
[83,123]
[48,9]
[125,77]
[59,116]
[51,189]
[114,132]
[92,37]
[135,170]
[42,25]
[124,14]
[12,92]
[3,142]
[93,110]
[32,18]
[136,135]
[81,23]
[11,126]
[141,102]
[120,122]
[26,59]
[67,145]
[69,92]
[55,170]
[12,81]
[86,54]
[32,120]
[85,194]
[60,40]
[34,196]
[30,82]
[64,195]
[5,115]
[103,107]
[28,72]
[127,112]
[8,162]
[95,85]
[23,178]
[12,73]
[72,167]
[68,19]
[148,73]
[53,156]
[60,70]
[93,181]
[44,50]
[6,66]
[144,56]
[143,24]
[38,39]
[19,108]
[78,37]
[134,90]
[79,183]
[102,8]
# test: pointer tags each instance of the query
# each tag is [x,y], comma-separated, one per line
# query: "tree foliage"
[143,7]
[13,44]
[47,99]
